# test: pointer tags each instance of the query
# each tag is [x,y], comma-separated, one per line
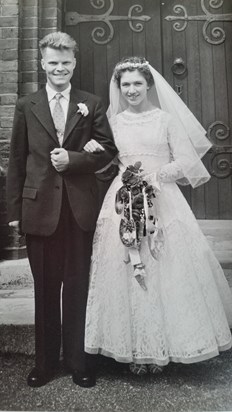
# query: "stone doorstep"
[17,295]
[17,273]
[17,306]
[17,319]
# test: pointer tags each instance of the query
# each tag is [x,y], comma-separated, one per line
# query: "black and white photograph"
[116,205]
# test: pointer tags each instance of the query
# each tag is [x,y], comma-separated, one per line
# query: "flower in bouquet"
[138,202]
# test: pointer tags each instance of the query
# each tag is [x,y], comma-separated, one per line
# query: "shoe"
[85,380]
[138,369]
[37,378]
[155,369]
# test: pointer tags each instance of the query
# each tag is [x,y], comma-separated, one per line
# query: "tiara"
[126,65]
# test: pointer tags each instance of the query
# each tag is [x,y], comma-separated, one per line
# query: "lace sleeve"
[172,171]
[185,166]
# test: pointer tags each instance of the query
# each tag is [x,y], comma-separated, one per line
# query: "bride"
[159,296]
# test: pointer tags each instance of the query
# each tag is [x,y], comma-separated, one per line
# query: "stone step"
[15,274]
[17,306]
[219,236]
[17,320]
[17,295]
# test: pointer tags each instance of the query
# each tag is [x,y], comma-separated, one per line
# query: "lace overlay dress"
[184,315]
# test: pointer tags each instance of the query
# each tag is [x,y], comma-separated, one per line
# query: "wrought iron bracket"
[219,166]
[99,34]
[217,34]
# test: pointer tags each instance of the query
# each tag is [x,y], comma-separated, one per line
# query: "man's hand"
[2,171]
[14,224]
[93,146]
[60,159]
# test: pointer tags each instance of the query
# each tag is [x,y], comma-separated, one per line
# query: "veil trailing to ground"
[189,143]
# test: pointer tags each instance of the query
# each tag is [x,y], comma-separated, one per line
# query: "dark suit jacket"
[34,187]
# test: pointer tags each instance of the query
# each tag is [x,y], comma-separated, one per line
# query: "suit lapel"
[41,110]
[73,117]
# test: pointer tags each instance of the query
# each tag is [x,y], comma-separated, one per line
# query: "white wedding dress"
[185,314]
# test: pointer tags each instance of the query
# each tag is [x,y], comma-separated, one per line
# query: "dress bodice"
[142,136]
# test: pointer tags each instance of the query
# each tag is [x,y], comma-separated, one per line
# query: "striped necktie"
[58,118]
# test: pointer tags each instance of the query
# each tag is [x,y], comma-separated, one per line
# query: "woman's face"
[134,88]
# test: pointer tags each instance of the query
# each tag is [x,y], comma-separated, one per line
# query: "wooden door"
[190,43]
[204,80]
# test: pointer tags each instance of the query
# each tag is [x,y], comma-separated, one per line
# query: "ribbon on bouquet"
[136,202]
[149,227]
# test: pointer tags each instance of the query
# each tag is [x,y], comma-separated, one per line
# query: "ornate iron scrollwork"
[219,130]
[97,4]
[99,34]
[217,34]
[220,167]
[223,165]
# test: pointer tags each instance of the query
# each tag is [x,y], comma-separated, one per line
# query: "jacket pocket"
[29,193]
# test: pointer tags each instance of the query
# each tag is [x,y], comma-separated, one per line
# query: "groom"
[52,197]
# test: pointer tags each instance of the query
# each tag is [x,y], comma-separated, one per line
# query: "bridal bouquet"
[135,200]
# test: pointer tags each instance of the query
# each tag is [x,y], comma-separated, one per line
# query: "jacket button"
[57,187]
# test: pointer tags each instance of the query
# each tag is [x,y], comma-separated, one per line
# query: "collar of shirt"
[51,92]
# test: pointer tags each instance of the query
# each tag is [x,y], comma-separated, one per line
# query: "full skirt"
[186,313]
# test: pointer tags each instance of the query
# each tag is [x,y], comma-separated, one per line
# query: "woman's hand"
[153,180]
[93,146]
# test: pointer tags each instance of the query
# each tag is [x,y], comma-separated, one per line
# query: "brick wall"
[51,19]
[9,43]
[38,18]
[28,46]
[9,76]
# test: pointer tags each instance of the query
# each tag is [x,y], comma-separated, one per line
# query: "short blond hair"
[58,40]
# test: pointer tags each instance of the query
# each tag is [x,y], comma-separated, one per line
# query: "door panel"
[205,88]
[99,54]
[165,32]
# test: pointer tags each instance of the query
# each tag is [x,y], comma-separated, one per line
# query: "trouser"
[61,262]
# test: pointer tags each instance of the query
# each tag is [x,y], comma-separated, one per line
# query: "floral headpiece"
[127,65]
[130,65]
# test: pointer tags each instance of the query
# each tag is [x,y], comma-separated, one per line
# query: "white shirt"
[64,100]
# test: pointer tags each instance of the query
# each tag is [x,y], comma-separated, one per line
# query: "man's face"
[59,66]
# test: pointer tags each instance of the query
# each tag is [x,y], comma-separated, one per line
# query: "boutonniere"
[83,109]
